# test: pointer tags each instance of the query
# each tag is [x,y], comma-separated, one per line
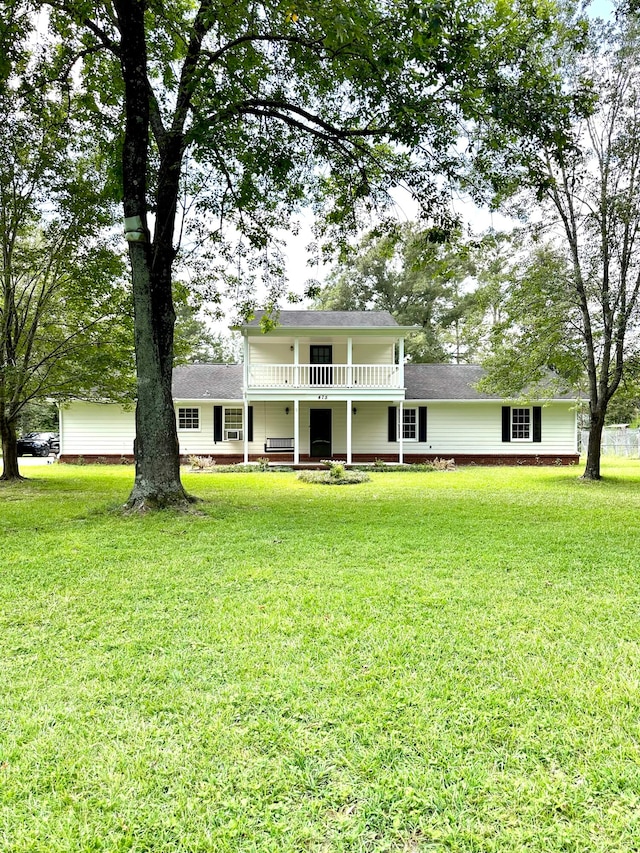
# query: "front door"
[320,433]
[321,357]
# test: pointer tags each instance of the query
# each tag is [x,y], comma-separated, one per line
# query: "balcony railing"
[324,376]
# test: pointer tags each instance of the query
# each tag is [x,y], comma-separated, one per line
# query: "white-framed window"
[232,423]
[521,421]
[188,418]
[409,424]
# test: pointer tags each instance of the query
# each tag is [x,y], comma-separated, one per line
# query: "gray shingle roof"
[331,319]
[207,382]
[451,382]
[443,382]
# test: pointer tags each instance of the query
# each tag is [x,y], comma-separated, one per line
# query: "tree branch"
[277,108]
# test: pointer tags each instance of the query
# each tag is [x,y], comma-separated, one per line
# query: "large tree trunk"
[594,447]
[157,483]
[9,449]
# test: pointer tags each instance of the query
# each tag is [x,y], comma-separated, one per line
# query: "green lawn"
[426,662]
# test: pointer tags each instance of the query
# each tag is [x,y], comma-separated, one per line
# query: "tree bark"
[9,449]
[594,447]
[157,483]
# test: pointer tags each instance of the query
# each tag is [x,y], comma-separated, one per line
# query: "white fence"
[615,442]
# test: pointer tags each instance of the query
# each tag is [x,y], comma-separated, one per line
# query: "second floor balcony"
[324,376]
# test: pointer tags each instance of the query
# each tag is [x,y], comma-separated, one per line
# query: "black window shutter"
[422,423]
[250,424]
[217,423]
[506,423]
[537,423]
[393,424]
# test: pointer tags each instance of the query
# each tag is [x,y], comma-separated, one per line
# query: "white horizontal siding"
[261,352]
[105,429]
[369,429]
[97,428]
[469,428]
[200,442]
[373,353]
[266,352]
[464,427]
[477,428]
[270,420]
[369,425]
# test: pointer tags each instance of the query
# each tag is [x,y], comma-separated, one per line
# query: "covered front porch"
[303,431]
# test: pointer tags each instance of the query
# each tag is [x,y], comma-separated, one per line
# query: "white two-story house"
[333,384]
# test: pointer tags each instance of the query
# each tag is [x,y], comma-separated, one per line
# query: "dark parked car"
[39,443]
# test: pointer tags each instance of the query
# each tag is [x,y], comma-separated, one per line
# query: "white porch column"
[245,361]
[296,362]
[349,362]
[349,416]
[401,362]
[296,432]
[245,431]
[128,450]
[400,430]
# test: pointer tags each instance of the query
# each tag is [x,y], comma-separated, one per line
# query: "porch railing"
[324,376]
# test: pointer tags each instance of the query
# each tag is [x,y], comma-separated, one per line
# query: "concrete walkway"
[32,461]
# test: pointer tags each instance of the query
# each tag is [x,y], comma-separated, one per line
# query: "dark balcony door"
[320,433]
[321,359]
